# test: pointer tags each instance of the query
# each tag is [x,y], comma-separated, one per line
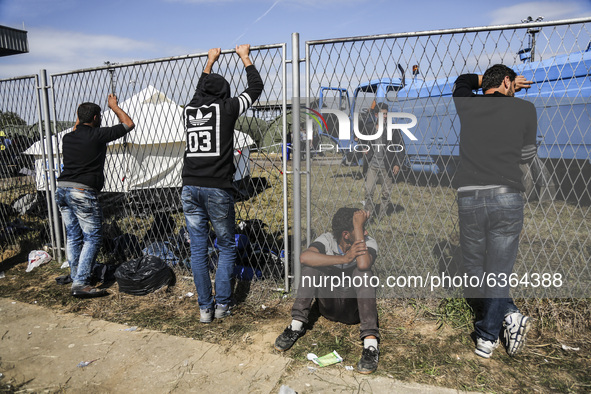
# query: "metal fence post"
[295,129]
[308,154]
[286,243]
[48,197]
[51,173]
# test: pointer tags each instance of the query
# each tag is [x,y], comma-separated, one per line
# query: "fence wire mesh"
[23,210]
[419,235]
[141,197]
[414,73]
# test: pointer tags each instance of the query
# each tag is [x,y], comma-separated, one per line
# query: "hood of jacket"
[214,87]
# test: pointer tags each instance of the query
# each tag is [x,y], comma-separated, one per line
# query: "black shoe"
[287,338]
[369,360]
[390,209]
[64,279]
[89,292]
[378,212]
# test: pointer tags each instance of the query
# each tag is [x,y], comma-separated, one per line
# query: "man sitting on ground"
[347,253]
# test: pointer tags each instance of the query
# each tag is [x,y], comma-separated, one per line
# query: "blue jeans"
[489,238]
[82,216]
[202,205]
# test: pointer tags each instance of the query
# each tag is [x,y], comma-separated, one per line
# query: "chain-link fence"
[23,210]
[414,74]
[141,197]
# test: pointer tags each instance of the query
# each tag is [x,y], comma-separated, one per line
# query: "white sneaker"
[515,327]
[205,315]
[484,348]
[222,311]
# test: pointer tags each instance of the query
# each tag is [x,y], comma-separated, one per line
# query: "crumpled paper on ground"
[329,359]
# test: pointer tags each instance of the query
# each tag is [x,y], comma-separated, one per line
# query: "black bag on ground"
[144,275]
[103,273]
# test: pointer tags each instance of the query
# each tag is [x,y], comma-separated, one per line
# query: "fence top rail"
[526,25]
[163,59]
[32,76]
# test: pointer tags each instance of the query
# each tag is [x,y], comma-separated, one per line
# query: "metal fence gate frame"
[22,97]
[176,78]
[340,63]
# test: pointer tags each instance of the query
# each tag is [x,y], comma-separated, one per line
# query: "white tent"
[151,155]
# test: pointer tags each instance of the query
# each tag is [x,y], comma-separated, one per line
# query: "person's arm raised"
[243,51]
[212,56]
[123,117]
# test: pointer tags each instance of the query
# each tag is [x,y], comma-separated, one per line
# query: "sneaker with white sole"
[222,311]
[484,348]
[515,328]
[205,315]
[287,338]
[369,360]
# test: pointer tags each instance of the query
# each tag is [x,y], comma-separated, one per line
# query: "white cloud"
[59,51]
[551,10]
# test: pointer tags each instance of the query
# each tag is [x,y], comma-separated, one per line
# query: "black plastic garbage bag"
[144,275]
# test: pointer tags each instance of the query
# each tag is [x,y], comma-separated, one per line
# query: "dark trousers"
[348,305]
[489,236]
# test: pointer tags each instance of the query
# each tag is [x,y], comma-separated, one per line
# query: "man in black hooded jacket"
[208,170]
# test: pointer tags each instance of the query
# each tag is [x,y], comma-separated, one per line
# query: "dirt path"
[40,351]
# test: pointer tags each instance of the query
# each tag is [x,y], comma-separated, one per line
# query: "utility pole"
[532,35]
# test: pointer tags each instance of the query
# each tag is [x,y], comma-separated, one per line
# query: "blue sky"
[67,35]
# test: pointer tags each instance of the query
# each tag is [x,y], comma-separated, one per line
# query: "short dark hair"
[343,221]
[87,112]
[493,77]
[380,107]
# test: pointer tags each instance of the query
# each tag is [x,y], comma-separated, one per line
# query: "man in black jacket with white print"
[207,177]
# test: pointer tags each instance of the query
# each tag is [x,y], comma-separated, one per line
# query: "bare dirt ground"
[42,351]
